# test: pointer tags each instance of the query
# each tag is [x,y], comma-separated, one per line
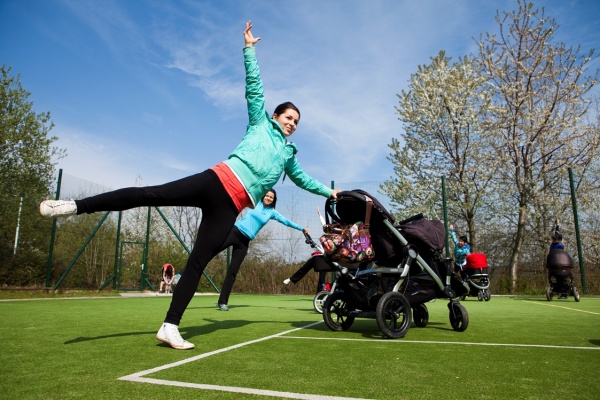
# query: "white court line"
[402,341]
[139,376]
[557,306]
[233,389]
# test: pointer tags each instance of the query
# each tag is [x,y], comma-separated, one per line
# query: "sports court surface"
[269,347]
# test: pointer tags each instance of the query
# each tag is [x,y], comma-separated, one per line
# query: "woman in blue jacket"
[245,230]
[222,191]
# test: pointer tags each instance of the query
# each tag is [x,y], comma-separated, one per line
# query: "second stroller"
[560,276]
[475,274]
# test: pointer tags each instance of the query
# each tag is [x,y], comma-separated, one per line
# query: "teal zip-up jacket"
[255,219]
[460,253]
[264,153]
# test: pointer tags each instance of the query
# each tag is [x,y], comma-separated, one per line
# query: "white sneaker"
[52,208]
[169,334]
[287,281]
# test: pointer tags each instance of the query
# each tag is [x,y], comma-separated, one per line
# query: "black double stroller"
[407,272]
[560,276]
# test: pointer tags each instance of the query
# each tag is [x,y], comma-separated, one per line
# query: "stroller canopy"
[431,232]
[350,207]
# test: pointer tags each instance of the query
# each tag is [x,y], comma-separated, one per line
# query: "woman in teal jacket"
[222,191]
[245,230]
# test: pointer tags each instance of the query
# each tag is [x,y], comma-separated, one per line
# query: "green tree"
[27,165]
[442,113]
[536,119]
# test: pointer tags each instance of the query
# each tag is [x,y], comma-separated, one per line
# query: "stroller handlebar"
[310,241]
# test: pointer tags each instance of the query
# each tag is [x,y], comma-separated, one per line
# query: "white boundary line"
[139,376]
[233,389]
[444,342]
[557,306]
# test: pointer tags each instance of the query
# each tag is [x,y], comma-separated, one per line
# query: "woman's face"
[268,199]
[288,120]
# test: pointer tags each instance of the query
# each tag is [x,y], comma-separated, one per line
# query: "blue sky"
[155,89]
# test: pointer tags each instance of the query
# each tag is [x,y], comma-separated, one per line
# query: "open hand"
[248,36]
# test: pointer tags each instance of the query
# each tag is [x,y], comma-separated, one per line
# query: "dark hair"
[280,109]
[464,239]
[557,236]
[274,203]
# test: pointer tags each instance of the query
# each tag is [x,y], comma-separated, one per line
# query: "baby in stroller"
[407,271]
[560,271]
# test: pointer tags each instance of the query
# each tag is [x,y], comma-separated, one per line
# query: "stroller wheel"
[393,315]
[480,295]
[319,300]
[336,313]
[459,318]
[421,315]
[576,294]
[487,295]
[549,293]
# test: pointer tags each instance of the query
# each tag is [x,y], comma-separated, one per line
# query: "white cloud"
[341,62]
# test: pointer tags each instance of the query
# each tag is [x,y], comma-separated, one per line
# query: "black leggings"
[312,263]
[240,243]
[203,190]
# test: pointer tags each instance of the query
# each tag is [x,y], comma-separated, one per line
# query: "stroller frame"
[479,286]
[376,291]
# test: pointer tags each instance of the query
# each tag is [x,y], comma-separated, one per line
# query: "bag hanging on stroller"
[349,242]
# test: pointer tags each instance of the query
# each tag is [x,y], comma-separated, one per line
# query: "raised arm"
[453,234]
[255,96]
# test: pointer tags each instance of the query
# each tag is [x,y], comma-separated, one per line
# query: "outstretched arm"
[248,36]
[283,220]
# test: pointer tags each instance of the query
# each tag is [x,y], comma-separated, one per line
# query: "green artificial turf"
[513,348]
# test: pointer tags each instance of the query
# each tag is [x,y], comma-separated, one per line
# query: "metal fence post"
[577,233]
[53,234]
